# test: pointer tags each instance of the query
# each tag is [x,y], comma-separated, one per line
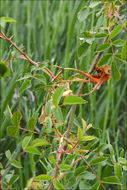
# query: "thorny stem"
[58,158]
[92,170]
[2,35]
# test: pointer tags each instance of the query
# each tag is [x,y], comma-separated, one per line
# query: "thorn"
[10,46]
[11,37]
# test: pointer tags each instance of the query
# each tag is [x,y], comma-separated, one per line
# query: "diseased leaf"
[115,31]
[70,100]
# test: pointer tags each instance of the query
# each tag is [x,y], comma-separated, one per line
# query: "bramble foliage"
[61,121]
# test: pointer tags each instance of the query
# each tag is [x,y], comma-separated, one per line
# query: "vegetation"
[63,94]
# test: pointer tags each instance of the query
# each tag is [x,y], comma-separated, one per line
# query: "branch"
[3,36]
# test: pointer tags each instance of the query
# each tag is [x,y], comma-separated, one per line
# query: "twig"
[118,17]
[18,49]
[15,159]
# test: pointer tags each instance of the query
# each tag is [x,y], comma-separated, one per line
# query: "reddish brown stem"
[17,48]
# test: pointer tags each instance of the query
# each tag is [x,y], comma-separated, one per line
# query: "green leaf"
[48,123]
[94,4]
[88,175]
[31,124]
[32,150]
[118,43]
[104,59]
[58,114]
[39,142]
[124,168]
[16,164]
[70,100]
[115,31]
[102,47]
[52,159]
[64,166]
[82,49]
[118,170]
[98,160]
[88,138]
[124,51]
[26,84]
[101,35]
[122,161]
[80,133]
[4,20]
[57,96]
[15,120]
[111,150]
[48,108]
[13,179]
[26,76]
[111,180]
[12,131]
[40,78]
[25,142]
[58,185]
[8,155]
[83,185]
[4,71]
[43,177]
[83,14]
[79,170]
[115,74]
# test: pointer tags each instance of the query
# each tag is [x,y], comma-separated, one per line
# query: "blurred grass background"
[49,30]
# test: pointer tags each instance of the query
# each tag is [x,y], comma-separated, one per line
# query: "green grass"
[49,31]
